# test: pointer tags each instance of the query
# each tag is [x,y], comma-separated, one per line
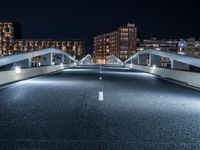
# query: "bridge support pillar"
[46,60]
[58,59]
[24,63]
[63,59]
[143,59]
[154,60]
[179,65]
[134,61]
[66,60]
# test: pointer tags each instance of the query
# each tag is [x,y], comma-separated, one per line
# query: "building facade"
[11,42]
[8,32]
[73,47]
[189,47]
[122,43]
[161,44]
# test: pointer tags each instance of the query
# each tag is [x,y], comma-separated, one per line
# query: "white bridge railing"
[48,57]
[150,61]
[153,57]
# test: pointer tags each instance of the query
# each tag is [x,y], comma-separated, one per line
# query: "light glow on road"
[130,73]
[48,83]
[41,82]
[154,67]
[72,70]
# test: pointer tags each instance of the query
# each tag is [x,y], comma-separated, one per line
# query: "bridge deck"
[99,108]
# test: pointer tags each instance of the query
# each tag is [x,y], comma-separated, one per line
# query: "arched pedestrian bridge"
[133,106]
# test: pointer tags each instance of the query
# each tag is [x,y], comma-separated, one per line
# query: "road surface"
[99,107]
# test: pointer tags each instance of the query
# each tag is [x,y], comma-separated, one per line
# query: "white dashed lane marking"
[100,96]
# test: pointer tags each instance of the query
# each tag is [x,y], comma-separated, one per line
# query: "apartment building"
[122,43]
[11,42]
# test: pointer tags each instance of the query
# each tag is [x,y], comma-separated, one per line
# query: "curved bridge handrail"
[113,57]
[84,58]
[180,58]
[20,57]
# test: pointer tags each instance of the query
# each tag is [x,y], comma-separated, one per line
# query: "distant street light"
[62,65]
[154,67]
[18,70]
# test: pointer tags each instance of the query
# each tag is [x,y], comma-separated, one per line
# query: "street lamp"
[62,65]
[18,70]
[154,67]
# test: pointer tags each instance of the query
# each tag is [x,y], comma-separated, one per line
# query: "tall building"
[11,42]
[122,43]
[8,32]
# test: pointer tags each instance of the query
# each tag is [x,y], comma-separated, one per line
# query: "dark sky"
[87,18]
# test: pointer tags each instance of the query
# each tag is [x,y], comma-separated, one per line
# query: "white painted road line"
[100,96]
[100,78]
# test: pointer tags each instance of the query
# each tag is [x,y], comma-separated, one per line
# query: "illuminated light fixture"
[62,66]
[154,67]
[53,63]
[39,64]
[18,70]
[131,65]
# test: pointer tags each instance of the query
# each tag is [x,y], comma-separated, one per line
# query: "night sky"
[86,18]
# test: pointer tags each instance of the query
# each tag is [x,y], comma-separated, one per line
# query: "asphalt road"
[93,107]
